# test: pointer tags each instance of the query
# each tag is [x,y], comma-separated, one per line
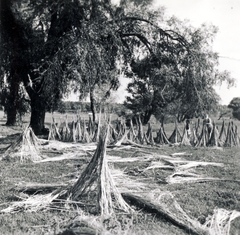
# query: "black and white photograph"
[119,117]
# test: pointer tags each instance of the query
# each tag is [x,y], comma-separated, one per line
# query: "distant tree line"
[78,106]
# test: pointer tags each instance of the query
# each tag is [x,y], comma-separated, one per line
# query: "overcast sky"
[225,14]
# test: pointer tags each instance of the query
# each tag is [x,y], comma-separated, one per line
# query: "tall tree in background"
[50,45]
[184,79]
[94,55]
[50,41]
[41,37]
[235,106]
[224,112]
[33,37]
[13,53]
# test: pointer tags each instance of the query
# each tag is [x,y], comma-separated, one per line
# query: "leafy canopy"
[179,77]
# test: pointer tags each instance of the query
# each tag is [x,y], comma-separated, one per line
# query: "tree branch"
[140,37]
[167,33]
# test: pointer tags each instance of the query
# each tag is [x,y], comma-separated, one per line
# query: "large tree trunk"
[38,112]
[13,34]
[146,117]
[93,103]
[11,116]
[12,100]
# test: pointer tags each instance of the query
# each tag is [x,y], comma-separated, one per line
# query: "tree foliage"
[235,106]
[180,79]
[234,103]
[54,46]
[44,38]
[33,39]
[224,112]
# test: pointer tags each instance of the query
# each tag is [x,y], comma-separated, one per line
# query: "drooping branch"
[141,38]
[168,33]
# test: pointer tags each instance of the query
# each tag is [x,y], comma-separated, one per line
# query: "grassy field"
[168,127]
[197,199]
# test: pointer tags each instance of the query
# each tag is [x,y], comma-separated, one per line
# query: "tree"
[44,37]
[51,46]
[11,40]
[61,107]
[235,106]
[234,103]
[125,30]
[184,79]
[224,111]
[33,40]
[95,62]
[137,2]
[22,103]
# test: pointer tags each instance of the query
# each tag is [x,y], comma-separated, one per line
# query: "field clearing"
[168,127]
[197,198]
